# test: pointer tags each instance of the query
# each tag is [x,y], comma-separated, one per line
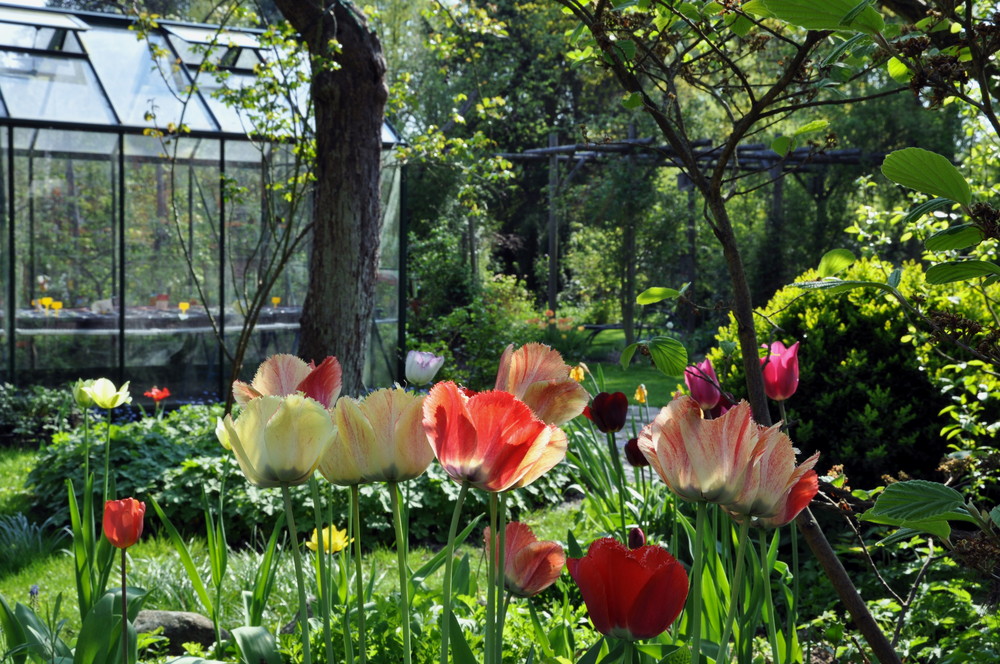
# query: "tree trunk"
[348,104]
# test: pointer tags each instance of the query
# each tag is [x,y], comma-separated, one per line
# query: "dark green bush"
[868,395]
[29,416]
[174,459]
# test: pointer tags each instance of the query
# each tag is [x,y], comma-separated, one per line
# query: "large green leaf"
[256,645]
[834,262]
[946,273]
[955,237]
[921,505]
[928,172]
[825,15]
[656,294]
[669,354]
[833,285]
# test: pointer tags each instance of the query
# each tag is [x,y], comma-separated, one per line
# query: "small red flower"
[156,394]
[123,521]
[530,566]
[630,594]
[608,412]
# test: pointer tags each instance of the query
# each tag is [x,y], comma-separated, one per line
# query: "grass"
[15,464]
[602,359]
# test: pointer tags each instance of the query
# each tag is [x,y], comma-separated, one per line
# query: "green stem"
[628,655]
[358,568]
[772,635]
[86,445]
[736,589]
[694,619]
[124,615]
[501,578]
[448,568]
[620,481]
[491,584]
[345,566]
[324,571]
[107,462]
[404,577]
[784,418]
[793,608]
[299,577]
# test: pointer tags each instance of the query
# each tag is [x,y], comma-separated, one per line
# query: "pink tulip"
[781,370]
[703,384]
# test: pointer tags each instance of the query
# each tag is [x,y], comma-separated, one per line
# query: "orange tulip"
[282,375]
[537,375]
[379,439]
[123,521]
[491,439]
[530,566]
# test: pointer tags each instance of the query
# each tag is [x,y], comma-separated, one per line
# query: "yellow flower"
[578,373]
[641,394]
[333,540]
[106,395]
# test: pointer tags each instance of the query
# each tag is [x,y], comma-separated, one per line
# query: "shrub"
[29,416]
[868,396]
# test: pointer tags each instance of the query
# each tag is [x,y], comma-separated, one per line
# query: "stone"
[179,627]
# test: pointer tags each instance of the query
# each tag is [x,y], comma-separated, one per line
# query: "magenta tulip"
[703,384]
[781,370]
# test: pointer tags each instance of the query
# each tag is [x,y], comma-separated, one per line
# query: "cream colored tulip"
[105,395]
[278,441]
[379,439]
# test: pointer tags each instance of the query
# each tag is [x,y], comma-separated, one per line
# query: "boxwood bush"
[176,458]
[871,391]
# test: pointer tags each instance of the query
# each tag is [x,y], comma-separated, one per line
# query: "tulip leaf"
[961,236]
[657,294]
[928,172]
[921,505]
[995,515]
[435,563]
[590,657]
[834,262]
[826,15]
[669,355]
[13,632]
[460,650]
[946,273]
[257,645]
[573,549]
[186,561]
[917,212]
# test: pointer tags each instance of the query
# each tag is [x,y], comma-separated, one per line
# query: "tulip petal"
[661,598]
[450,429]
[280,375]
[556,401]
[323,382]
[529,364]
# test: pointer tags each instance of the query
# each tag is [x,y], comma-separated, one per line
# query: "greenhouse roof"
[89,71]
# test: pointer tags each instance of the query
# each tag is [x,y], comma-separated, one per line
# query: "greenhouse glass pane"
[137,88]
[65,262]
[96,144]
[40,87]
[39,18]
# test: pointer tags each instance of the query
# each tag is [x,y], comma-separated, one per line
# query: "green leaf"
[895,277]
[573,549]
[921,505]
[12,631]
[626,357]
[740,25]
[928,172]
[783,145]
[434,563]
[834,262]
[182,551]
[590,657]
[669,355]
[946,273]
[834,285]
[810,127]
[827,15]
[955,237]
[256,645]
[995,515]
[632,100]
[840,49]
[898,71]
[916,213]
[656,294]
[460,650]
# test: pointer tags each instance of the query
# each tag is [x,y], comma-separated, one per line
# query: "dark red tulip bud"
[636,538]
[608,412]
[634,455]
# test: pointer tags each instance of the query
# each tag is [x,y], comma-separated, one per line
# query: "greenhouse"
[138,205]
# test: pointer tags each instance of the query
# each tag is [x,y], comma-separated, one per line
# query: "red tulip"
[491,439]
[781,370]
[630,594]
[537,375]
[703,384]
[123,521]
[530,566]
[283,375]
[634,455]
[608,412]
[156,394]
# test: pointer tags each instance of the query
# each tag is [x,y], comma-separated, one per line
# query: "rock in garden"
[180,627]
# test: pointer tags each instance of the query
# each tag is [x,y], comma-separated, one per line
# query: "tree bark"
[348,104]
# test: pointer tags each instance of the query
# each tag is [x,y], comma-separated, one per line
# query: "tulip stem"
[86,445]
[619,472]
[628,656]
[736,589]
[107,460]
[491,585]
[404,577]
[299,577]
[790,625]
[772,635]
[501,576]
[448,567]
[324,570]
[358,569]
[124,614]
[784,418]
[694,618]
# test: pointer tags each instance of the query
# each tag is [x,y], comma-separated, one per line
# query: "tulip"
[491,440]
[282,375]
[634,455]
[379,439]
[80,395]
[156,394]
[530,566]
[278,441]
[703,384]
[781,370]
[636,538]
[421,367]
[641,395]
[702,460]
[608,412]
[105,395]
[334,540]
[578,373]
[630,594]
[537,375]
[123,521]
